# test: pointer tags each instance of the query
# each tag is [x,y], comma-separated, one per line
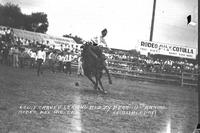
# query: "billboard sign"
[166,49]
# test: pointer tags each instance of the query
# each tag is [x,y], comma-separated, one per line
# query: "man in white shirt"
[99,39]
[97,43]
[80,68]
[32,55]
[67,63]
[40,58]
[10,56]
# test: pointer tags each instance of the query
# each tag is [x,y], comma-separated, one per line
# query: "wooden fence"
[189,79]
[182,79]
[178,79]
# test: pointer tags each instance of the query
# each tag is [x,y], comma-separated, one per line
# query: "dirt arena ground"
[51,103]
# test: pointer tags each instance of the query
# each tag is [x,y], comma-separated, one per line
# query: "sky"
[127,21]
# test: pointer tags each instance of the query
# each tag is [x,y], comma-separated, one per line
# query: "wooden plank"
[120,61]
[190,84]
[191,73]
[159,74]
[191,78]
[144,77]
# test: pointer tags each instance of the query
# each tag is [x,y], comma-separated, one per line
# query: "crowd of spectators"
[19,52]
[150,63]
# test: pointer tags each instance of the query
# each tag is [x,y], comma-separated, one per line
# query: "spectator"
[52,61]
[10,56]
[40,58]
[32,55]
[16,57]
[60,58]
[22,56]
[80,68]
[67,63]
[5,54]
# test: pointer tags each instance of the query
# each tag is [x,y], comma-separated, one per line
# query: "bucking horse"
[94,64]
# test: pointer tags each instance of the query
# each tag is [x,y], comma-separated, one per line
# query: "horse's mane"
[84,51]
[92,54]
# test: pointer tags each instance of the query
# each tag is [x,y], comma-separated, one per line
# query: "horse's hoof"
[96,88]
[105,92]
[76,84]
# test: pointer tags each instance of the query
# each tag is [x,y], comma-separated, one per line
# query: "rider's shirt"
[100,41]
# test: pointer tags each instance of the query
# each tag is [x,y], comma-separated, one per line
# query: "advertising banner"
[166,49]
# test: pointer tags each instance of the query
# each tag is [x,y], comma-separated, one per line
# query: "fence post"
[182,79]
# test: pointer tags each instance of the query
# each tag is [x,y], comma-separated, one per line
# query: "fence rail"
[182,79]
[179,79]
[189,79]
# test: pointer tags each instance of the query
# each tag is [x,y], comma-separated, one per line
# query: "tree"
[38,22]
[11,16]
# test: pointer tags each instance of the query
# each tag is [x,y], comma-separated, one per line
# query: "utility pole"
[198,126]
[152,20]
[198,74]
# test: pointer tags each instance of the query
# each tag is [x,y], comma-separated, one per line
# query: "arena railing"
[189,79]
[180,79]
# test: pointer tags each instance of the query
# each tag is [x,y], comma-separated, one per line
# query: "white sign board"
[166,49]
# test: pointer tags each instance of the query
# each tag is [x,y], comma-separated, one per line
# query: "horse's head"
[85,46]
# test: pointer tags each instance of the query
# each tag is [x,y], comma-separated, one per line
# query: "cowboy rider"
[97,43]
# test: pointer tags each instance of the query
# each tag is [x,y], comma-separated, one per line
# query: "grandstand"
[46,39]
